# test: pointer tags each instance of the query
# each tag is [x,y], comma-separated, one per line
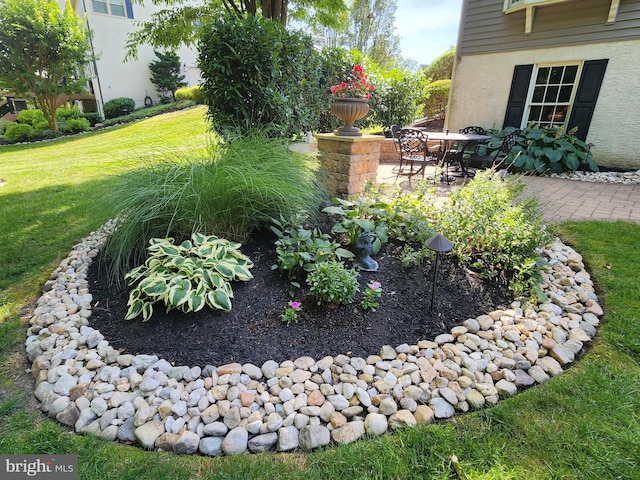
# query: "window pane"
[565,93]
[552,94]
[543,75]
[534,114]
[556,74]
[99,7]
[117,7]
[538,94]
[570,74]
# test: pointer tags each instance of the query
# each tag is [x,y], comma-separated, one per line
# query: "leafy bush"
[18,132]
[46,134]
[333,283]
[436,96]
[300,248]
[148,112]
[366,213]
[549,150]
[395,100]
[194,94]
[258,75]
[41,126]
[118,107]
[64,113]
[235,190]
[76,125]
[31,117]
[92,117]
[187,276]
[491,232]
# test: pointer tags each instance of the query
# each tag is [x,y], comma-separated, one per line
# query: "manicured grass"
[582,425]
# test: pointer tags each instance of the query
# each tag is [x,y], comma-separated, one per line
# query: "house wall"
[115,77]
[484,28]
[481,84]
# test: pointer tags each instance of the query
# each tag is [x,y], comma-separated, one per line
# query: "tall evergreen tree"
[165,74]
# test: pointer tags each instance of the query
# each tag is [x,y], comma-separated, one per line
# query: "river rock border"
[86,384]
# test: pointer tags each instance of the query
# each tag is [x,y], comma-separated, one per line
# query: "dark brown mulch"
[254,333]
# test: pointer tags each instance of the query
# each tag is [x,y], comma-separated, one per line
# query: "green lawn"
[584,424]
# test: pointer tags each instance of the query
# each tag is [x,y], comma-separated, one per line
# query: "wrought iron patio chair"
[456,155]
[414,152]
[497,157]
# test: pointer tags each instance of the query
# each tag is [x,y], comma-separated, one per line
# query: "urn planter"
[349,110]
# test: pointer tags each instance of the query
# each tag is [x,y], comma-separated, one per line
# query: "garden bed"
[252,332]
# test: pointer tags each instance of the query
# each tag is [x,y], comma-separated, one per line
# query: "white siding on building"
[481,84]
[117,78]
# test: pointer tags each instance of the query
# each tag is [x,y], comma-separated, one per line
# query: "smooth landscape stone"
[562,354]
[148,433]
[314,436]
[376,423]
[85,383]
[263,443]
[235,442]
[287,439]
[348,433]
[441,408]
[402,419]
[211,446]
[187,443]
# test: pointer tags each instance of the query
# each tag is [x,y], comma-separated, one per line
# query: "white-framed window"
[551,94]
[109,7]
[515,5]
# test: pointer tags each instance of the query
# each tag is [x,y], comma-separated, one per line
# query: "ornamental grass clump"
[231,191]
[189,276]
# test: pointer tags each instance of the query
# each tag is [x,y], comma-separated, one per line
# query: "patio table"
[448,139]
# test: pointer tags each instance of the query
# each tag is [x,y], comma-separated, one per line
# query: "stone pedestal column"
[350,161]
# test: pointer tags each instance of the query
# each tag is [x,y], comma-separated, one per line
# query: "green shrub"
[148,112]
[187,276]
[333,283]
[92,117]
[235,190]
[258,75]
[18,132]
[76,125]
[492,232]
[190,93]
[41,126]
[118,107]
[436,96]
[47,134]
[549,150]
[31,117]
[65,113]
[395,99]
[299,248]
[365,213]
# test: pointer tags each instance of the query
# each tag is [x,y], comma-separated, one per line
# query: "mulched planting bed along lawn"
[252,332]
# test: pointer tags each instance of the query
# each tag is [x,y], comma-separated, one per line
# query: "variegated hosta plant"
[187,276]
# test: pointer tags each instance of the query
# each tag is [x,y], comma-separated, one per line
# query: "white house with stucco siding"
[561,63]
[110,22]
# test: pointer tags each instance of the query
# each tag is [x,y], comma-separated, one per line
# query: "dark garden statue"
[364,247]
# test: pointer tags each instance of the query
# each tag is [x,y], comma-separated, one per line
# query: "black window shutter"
[129,8]
[586,96]
[518,95]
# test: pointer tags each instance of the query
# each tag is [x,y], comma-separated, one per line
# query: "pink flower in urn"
[357,87]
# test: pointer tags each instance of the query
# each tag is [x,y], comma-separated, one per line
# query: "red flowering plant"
[357,87]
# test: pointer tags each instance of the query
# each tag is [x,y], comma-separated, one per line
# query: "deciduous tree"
[180,22]
[43,51]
